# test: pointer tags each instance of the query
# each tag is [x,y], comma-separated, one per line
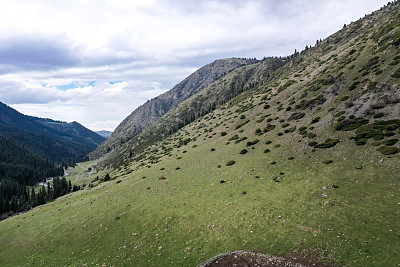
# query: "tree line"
[16,197]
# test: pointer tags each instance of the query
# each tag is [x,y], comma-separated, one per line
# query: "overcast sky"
[95,61]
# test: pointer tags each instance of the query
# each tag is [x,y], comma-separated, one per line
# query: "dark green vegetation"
[172,201]
[33,149]
[15,197]
[55,140]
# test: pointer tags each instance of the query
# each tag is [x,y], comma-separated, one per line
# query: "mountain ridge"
[155,108]
[48,136]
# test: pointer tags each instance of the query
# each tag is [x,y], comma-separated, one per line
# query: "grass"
[192,216]
[340,202]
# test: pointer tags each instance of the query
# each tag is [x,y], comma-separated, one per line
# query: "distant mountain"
[55,140]
[104,133]
[152,110]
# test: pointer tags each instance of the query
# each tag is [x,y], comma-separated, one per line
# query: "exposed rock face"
[154,109]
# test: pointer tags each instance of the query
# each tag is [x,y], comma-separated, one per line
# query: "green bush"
[350,124]
[396,74]
[361,142]
[230,163]
[240,139]
[234,137]
[391,142]
[328,143]
[244,151]
[296,116]
[223,133]
[379,115]
[388,150]
[315,120]
[252,142]
[313,143]
[269,127]
[340,113]
[267,150]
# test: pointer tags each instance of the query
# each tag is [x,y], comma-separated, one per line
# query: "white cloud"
[145,47]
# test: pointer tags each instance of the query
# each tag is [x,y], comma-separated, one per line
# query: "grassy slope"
[191,216]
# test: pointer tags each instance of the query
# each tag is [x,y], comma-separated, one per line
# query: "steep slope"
[23,165]
[154,109]
[211,97]
[55,140]
[299,164]
[74,129]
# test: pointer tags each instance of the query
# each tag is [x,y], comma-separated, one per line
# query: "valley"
[295,155]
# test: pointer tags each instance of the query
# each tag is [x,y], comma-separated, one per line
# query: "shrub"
[252,142]
[268,142]
[244,151]
[361,141]
[350,124]
[240,139]
[315,120]
[388,150]
[269,127]
[230,163]
[313,143]
[267,106]
[258,131]
[267,150]
[396,74]
[296,116]
[329,161]
[340,113]
[379,115]
[328,143]
[242,117]
[234,137]
[212,149]
[354,85]
[223,133]
[107,177]
[391,142]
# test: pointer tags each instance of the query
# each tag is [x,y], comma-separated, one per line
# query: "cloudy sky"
[95,61]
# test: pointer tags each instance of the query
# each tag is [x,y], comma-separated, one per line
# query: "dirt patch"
[250,259]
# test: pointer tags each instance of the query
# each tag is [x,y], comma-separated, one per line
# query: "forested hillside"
[58,141]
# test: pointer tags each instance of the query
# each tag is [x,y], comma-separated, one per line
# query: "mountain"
[297,157]
[58,141]
[23,165]
[104,133]
[154,109]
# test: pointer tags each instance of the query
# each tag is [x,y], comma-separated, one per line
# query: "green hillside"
[302,158]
